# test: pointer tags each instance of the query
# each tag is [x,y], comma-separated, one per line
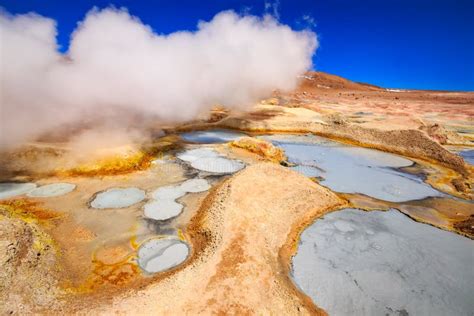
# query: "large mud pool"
[353,262]
[349,262]
[350,169]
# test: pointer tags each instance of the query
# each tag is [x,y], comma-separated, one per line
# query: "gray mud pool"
[350,169]
[353,262]
[213,136]
[12,189]
[161,254]
[52,190]
[118,198]
[163,205]
[468,156]
[208,160]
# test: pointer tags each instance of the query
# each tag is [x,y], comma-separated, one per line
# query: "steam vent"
[191,159]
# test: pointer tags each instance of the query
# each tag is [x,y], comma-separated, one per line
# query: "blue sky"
[401,44]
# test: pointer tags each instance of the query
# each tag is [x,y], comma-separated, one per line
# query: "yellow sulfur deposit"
[27,210]
[122,163]
[111,165]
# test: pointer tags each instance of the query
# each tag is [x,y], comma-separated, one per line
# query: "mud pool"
[163,205]
[13,189]
[353,262]
[211,136]
[468,156]
[51,190]
[157,255]
[118,198]
[350,169]
[205,159]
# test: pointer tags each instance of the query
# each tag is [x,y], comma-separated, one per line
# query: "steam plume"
[116,64]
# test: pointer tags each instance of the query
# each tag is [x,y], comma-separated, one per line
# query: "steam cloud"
[115,64]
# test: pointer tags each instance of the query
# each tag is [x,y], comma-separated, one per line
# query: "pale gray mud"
[350,169]
[353,262]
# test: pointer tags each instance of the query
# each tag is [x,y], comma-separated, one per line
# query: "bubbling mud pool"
[353,262]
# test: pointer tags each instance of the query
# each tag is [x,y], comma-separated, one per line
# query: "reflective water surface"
[211,136]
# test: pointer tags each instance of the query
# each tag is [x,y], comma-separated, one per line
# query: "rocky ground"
[28,259]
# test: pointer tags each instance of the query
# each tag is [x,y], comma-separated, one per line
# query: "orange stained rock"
[260,147]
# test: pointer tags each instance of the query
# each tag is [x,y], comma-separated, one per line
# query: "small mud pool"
[350,169]
[161,254]
[208,160]
[13,189]
[52,190]
[163,205]
[214,136]
[118,198]
[353,262]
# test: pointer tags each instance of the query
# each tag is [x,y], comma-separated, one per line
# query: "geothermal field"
[282,192]
[299,205]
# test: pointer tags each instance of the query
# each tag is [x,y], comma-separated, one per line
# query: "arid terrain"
[73,252]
